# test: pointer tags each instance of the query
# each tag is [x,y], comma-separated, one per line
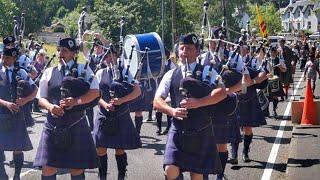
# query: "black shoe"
[165,131]
[233,161]
[245,158]
[158,132]
[275,115]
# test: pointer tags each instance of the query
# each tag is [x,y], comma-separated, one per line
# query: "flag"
[262,24]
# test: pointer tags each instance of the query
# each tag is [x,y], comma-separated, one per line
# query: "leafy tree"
[6,21]
[270,16]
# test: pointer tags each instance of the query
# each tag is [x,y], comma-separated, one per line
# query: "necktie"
[63,70]
[7,75]
[110,74]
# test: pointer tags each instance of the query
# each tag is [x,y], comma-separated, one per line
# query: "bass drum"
[152,62]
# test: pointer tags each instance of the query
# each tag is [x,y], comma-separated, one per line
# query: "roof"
[302,5]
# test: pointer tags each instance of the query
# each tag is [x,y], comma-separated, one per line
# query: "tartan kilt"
[202,164]
[144,101]
[125,138]
[250,113]
[81,154]
[286,77]
[17,139]
[226,128]
[27,109]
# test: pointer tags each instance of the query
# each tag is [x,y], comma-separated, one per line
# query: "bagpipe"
[18,88]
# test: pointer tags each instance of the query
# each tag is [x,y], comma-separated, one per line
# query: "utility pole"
[223,3]
[173,23]
[162,20]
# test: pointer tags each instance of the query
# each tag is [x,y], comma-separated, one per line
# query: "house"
[301,15]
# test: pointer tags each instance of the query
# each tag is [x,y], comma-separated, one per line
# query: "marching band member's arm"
[162,93]
[282,65]
[216,95]
[42,95]
[135,93]
[261,77]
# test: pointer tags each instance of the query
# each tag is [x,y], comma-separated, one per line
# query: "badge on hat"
[70,43]
[189,39]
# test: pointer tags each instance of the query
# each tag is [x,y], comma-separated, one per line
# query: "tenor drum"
[274,84]
[263,100]
[152,62]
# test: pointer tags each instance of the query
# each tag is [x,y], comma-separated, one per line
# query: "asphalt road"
[146,162]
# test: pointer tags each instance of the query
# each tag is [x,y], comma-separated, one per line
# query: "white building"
[301,15]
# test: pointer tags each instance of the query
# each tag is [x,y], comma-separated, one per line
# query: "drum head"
[153,61]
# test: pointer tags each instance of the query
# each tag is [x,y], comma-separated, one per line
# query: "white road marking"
[275,148]
[25,173]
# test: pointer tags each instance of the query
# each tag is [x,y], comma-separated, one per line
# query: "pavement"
[275,151]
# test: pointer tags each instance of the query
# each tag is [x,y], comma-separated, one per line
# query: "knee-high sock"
[150,113]
[234,150]
[78,177]
[275,104]
[122,163]
[103,167]
[53,177]
[138,122]
[247,139]
[18,163]
[159,120]
[223,158]
[169,121]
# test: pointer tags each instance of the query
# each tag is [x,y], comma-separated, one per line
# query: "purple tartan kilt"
[250,114]
[17,139]
[202,164]
[126,137]
[81,154]
[144,101]
[27,113]
[226,129]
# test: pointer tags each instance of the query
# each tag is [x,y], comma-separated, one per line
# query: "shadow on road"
[281,167]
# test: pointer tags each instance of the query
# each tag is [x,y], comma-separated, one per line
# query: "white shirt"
[24,61]
[103,76]
[164,86]
[22,73]
[43,84]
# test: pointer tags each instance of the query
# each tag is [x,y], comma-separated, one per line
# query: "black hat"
[10,52]
[189,39]
[216,32]
[69,43]
[273,49]
[9,39]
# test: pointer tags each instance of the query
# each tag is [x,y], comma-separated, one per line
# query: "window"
[298,26]
[309,25]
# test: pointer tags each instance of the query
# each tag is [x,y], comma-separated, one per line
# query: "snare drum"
[274,84]
[152,62]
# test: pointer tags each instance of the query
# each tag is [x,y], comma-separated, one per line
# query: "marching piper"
[113,127]
[225,125]
[190,144]
[13,97]
[66,141]
[250,113]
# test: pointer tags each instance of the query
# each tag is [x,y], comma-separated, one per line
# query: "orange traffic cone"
[309,115]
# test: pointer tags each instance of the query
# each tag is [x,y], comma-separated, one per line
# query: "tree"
[270,16]
[6,21]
